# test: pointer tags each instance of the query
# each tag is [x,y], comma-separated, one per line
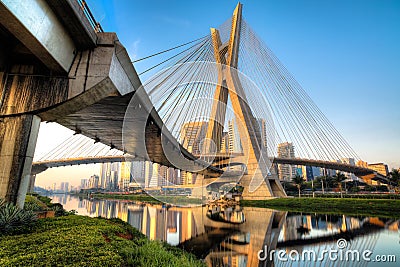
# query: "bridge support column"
[199,190]
[31,187]
[18,137]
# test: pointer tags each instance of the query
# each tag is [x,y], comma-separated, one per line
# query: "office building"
[235,145]
[192,136]
[125,175]
[84,183]
[286,171]
[349,161]
[380,168]
[93,181]
[225,143]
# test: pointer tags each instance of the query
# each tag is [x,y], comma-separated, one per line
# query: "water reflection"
[233,236]
[223,213]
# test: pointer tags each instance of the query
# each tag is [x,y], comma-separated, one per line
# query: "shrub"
[32,203]
[41,203]
[60,211]
[14,219]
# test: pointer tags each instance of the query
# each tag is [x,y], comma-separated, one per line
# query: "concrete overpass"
[54,66]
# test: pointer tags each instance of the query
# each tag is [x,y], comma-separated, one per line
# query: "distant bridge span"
[40,166]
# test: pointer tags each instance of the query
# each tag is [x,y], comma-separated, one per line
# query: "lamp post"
[312,188]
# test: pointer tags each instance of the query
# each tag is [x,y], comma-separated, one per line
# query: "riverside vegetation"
[388,208]
[381,205]
[156,199]
[72,240]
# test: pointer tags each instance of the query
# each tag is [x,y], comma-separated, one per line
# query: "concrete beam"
[72,16]
[95,75]
[35,25]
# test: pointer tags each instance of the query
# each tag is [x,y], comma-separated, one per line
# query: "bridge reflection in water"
[233,235]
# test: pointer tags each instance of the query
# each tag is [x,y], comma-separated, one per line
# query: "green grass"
[356,207]
[141,198]
[83,241]
[354,196]
[158,199]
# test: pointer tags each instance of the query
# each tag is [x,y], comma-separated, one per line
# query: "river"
[240,236]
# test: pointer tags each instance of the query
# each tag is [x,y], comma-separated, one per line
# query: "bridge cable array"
[79,146]
[182,88]
[167,50]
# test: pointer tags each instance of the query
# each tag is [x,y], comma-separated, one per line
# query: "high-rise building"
[154,178]
[380,168]
[328,172]
[125,175]
[84,183]
[64,187]
[148,172]
[349,161]
[361,163]
[110,175]
[115,166]
[172,177]
[162,176]
[286,171]
[105,175]
[94,181]
[192,135]
[188,177]
[138,172]
[224,143]
[234,142]
[235,145]
[311,172]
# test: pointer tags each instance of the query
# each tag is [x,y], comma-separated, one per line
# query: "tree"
[298,181]
[339,178]
[394,177]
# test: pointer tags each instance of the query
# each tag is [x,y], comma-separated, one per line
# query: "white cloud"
[134,49]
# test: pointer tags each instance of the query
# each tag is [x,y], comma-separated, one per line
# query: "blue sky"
[346,54]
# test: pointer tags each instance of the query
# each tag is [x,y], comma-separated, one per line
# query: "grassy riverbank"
[177,200]
[357,207]
[141,198]
[83,241]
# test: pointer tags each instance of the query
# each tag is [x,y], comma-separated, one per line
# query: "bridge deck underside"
[103,121]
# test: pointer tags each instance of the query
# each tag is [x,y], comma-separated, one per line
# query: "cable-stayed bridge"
[224,88]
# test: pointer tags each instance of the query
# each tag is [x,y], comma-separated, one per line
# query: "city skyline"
[192,134]
[119,176]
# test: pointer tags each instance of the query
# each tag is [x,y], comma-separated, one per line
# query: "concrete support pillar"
[199,189]
[31,187]
[18,137]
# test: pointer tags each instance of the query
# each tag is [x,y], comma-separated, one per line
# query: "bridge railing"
[86,10]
